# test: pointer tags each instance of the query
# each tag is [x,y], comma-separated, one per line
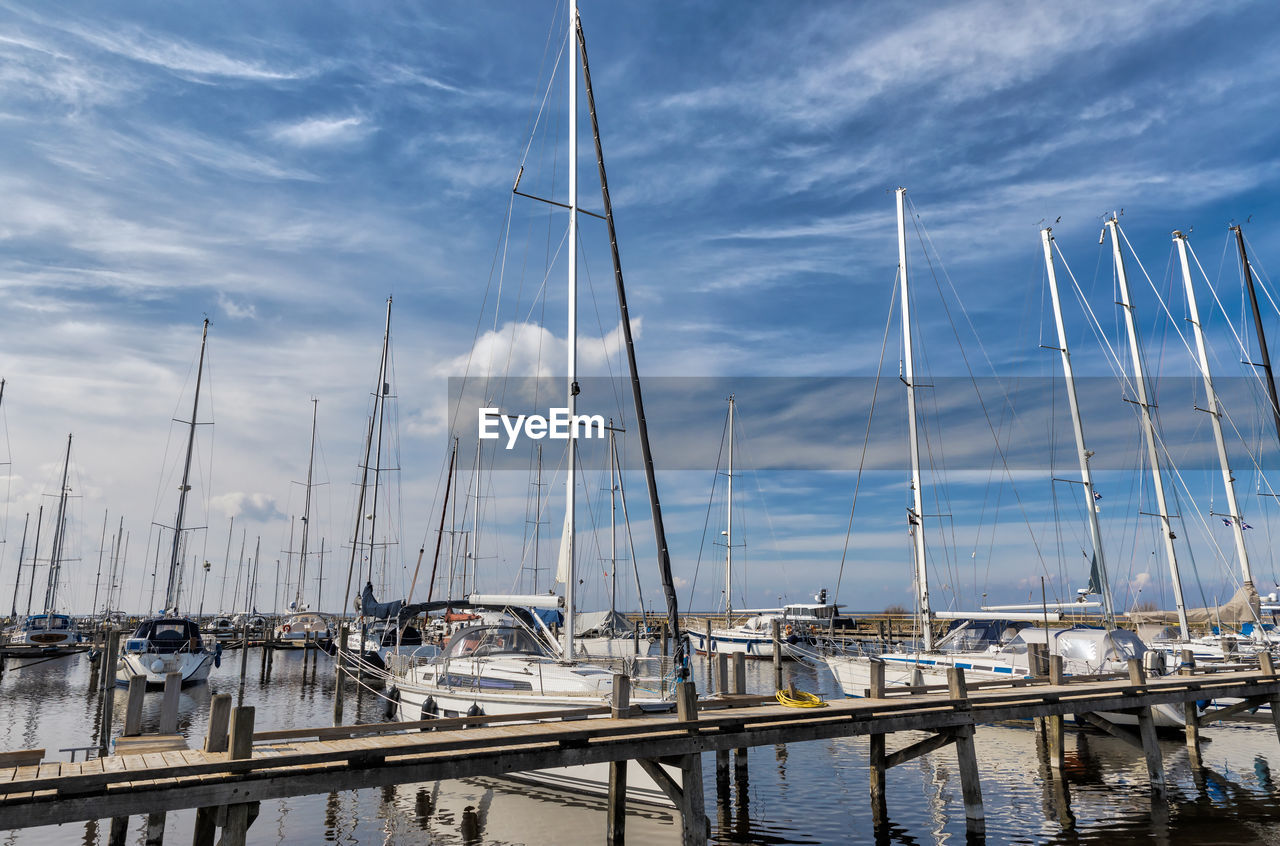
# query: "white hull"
[592,779]
[853,673]
[728,642]
[194,667]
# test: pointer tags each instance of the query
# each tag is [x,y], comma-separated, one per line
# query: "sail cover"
[1243,607]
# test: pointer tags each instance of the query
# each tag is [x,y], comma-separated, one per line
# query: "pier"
[238,767]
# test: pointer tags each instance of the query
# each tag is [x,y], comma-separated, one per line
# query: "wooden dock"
[236,769]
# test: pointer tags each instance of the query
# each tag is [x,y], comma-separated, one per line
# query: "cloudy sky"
[284,168]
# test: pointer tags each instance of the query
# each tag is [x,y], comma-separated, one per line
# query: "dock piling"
[169,705]
[615,832]
[133,709]
[1190,716]
[1053,725]
[879,804]
[967,758]
[108,684]
[1147,731]
[219,718]
[1267,664]
[237,822]
[777,654]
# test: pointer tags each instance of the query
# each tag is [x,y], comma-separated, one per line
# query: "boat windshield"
[979,635]
[475,642]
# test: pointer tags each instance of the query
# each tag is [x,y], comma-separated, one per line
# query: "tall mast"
[170,595]
[35,558]
[1148,425]
[59,532]
[570,481]
[1257,328]
[1214,411]
[97,579]
[915,517]
[475,531]
[613,523]
[637,396]
[1086,476]
[306,508]
[728,528]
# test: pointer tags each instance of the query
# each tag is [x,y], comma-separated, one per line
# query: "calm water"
[802,793]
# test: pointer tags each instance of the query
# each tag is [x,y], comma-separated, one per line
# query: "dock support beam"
[1147,731]
[967,758]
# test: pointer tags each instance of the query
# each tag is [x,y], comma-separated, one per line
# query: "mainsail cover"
[1243,607]
[371,607]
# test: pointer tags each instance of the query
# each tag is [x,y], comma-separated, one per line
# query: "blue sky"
[283,168]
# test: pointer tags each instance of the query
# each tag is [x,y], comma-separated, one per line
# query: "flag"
[1226,522]
[1246,525]
[1097,495]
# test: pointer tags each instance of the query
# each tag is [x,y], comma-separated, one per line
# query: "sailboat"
[509,663]
[49,631]
[304,627]
[994,643]
[170,642]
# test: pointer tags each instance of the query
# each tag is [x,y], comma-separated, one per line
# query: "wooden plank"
[21,757]
[915,750]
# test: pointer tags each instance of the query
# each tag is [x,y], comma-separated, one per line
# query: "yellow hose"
[799,699]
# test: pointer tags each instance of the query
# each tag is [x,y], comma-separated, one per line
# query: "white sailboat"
[171,642]
[510,664]
[49,631]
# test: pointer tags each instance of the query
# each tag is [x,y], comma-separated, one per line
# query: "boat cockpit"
[165,635]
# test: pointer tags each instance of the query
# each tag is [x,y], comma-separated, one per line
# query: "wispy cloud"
[323,131]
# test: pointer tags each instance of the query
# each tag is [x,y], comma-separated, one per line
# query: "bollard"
[169,705]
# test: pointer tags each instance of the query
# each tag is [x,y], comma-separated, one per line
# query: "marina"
[441,546]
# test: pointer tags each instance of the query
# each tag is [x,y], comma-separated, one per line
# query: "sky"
[283,169]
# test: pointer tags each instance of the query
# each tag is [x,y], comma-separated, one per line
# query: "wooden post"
[1268,667]
[111,648]
[1053,725]
[1190,717]
[711,647]
[155,829]
[337,675]
[133,710]
[776,625]
[693,812]
[237,824]
[1147,730]
[169,705]
[722,673]
[739,688]
[1038,666]
[219,717]
[879,804]
[739,673]
[119,831]
[967,757]
[615,831]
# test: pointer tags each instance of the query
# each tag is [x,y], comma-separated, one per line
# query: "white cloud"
[322,131]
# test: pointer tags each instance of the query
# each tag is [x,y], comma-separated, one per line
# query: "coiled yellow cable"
[799,699]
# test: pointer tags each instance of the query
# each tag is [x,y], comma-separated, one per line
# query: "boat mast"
[728,530]
[17,579]
[1148,425]
[642,426]
[35,558]
[1086,475]
[1257,328]
[915,518]
[306,509]
[59,531]
[1214,411]
[570,486]
[170,595]
[448,481]
[613,523]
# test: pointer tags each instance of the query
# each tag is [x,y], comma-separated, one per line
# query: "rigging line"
[693,584]
[748,458]
[973,380]
[604,346]
[631,543]
[546,96]
[866,439]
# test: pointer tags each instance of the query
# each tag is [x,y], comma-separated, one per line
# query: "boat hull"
[156,666]
[734,644]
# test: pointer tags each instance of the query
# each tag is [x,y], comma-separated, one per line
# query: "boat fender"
[393,703]
[429,709]
[157,666]
[217,654]
[475,710]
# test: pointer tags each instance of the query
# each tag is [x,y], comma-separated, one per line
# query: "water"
[803,793]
